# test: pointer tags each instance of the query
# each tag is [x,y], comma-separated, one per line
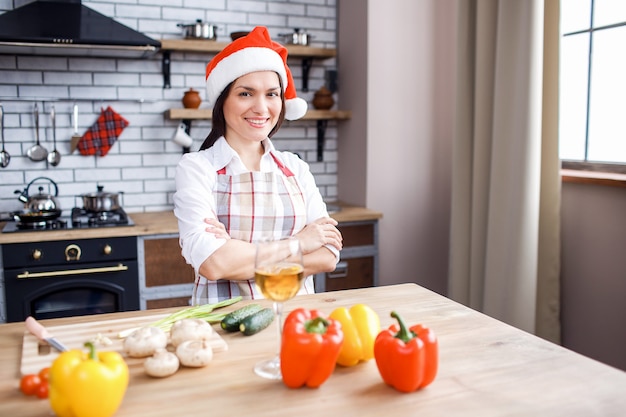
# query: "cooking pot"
[199,30]
[296,38]
[100,201]
[40,204]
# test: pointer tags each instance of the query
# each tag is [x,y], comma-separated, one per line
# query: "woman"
[238,189]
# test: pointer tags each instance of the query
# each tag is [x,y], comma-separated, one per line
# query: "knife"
[42,333]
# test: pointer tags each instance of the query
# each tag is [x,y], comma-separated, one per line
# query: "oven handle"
[118,268]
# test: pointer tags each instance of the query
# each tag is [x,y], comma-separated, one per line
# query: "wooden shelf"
[321,116]
[206,114]
[207,46]
[306,53]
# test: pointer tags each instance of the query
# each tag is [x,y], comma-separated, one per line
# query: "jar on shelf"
[323,99]
[191,99]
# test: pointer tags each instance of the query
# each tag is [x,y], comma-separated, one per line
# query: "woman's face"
[253,106]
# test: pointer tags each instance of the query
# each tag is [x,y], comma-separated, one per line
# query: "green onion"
[203,312]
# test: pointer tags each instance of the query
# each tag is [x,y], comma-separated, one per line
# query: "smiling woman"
[239,189]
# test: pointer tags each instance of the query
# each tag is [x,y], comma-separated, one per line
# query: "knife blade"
[42,333]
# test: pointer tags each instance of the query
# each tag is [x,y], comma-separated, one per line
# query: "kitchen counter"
[156,223]
[487,368]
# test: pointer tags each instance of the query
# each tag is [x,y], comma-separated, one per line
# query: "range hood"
[66,27]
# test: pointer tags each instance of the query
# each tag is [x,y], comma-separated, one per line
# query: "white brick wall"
[142,162]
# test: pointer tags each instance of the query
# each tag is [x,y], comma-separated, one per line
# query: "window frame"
[586,165]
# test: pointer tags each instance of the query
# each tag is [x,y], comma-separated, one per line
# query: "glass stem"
[278,311]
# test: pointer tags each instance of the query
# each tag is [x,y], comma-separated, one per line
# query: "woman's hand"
[321,232]
[217,228]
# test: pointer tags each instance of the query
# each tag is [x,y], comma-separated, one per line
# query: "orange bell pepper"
[407,358]
[309,349]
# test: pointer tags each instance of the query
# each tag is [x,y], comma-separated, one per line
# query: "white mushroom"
[161,364]
[194,353]
[145,341]
[190,329]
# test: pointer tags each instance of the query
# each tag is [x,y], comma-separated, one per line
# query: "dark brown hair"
[218,124]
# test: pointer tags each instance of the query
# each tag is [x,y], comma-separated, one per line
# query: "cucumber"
[256,322]
[231,321]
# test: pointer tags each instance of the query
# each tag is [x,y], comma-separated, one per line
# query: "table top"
[487,368]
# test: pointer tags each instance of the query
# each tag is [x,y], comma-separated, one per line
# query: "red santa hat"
[253,52]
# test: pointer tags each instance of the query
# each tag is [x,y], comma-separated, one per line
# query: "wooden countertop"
[487,368]
[156,223]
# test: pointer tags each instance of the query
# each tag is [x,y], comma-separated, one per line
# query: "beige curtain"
[505,224]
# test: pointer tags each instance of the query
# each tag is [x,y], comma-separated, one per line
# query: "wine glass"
[278,273]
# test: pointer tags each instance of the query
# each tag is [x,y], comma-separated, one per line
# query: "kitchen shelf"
[322,117]
[207,46]
[307,53]
[206,114]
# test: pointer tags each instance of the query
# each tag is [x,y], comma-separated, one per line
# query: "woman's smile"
[257,122]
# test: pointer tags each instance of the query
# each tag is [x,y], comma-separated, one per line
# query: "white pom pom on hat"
[254,52]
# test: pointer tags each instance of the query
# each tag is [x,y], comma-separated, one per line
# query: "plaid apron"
[254,206]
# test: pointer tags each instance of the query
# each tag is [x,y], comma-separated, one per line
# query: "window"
[592,126]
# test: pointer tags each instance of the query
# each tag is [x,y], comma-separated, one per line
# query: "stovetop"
[79,219]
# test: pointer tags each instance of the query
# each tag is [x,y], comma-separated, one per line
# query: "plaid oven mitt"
[99,138]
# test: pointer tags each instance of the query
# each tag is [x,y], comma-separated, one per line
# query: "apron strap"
[281,166]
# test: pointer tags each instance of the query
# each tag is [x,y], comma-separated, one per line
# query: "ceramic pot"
[323,99]
[191,99]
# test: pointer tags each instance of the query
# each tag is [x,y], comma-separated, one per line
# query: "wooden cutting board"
[37,355]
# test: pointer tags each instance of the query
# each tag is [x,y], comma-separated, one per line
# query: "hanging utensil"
[4,155]
[75,137]
[54,157]
[37,152]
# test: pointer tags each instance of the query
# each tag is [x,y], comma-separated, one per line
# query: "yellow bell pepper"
[360,325]
[87,384]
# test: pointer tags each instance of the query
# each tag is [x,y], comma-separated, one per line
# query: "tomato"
[42,390]
[44,374]
[30,383]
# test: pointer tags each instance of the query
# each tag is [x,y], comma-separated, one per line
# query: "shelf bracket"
[187,123]
[306,66]
[321,133]
[165,68]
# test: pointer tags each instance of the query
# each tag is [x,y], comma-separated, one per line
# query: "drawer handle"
[117,268]
[341,271]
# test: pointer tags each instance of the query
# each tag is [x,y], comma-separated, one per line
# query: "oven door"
[54,279]
[73,291]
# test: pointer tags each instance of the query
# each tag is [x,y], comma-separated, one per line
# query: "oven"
[53,279]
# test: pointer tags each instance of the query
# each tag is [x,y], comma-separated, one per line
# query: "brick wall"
[142,162]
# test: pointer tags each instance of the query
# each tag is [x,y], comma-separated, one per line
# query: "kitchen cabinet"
[358,266]
[165,278]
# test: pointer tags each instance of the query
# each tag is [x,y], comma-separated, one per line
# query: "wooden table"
[487,368]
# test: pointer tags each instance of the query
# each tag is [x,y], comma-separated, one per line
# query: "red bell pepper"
[310,347]
[407,358]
